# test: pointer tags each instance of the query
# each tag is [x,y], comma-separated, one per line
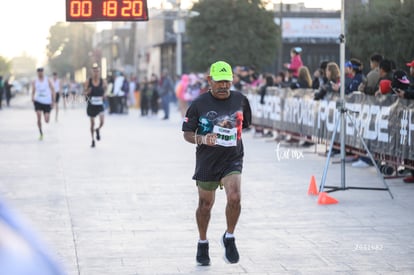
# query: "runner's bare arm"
[208,139]
[86,88]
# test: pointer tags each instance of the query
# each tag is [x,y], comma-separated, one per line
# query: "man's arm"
[247,113]
[86,89]
[208,139]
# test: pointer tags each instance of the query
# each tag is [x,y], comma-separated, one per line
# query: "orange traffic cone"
[313,190]
[325,199]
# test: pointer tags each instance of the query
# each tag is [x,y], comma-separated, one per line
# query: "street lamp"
[179,30]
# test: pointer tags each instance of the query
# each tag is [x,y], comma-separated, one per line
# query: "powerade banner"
[386,123]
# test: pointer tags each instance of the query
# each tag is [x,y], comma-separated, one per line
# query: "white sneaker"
[360,164]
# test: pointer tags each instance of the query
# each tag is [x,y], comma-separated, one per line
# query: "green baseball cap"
[221,71]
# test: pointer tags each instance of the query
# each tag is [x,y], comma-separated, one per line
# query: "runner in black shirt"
[95,93]
[214,121]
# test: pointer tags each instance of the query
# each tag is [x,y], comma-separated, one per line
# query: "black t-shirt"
[226,118]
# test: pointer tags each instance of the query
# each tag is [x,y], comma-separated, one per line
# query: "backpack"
[125,86]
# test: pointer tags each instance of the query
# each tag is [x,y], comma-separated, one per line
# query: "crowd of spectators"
[382,78]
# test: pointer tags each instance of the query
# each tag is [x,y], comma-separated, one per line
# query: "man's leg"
[203,213]
[92,130]
[39,122]
[101,123]
[232,186]
[47,117]
[205,204]
[166,106]
[101,120]
[57,107]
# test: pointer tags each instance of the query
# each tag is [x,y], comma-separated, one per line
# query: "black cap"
[400,80]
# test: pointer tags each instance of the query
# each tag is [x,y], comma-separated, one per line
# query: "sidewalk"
[128,206]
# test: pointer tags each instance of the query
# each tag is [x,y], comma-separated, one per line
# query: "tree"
[241,32]
[384,27]
[70,46]
[5,66]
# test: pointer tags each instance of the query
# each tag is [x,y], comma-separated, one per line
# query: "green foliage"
[5,66]
[385,28]
[241,32]
[69,48]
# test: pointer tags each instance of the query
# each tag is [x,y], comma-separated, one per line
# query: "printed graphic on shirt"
[227,127]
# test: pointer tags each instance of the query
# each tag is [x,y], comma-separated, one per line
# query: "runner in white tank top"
[43,97]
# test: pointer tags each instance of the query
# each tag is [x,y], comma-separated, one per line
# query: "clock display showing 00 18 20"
[106,10]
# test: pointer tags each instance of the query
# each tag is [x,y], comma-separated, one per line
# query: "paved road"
[127,206]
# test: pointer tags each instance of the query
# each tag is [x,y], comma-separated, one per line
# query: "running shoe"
[202,254]
[98,136]
[231,254]
[41,137]
[93,144]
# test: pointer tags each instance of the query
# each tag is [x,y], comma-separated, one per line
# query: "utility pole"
[179,29]
[280,59]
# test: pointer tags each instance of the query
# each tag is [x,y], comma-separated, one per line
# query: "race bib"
[41,93]
[96,100]
[225,137]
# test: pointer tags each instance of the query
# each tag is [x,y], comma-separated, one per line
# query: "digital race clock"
[106,10]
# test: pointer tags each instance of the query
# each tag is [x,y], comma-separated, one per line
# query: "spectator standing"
[7,89]
[348,73]
[144,97]
[357,76]
[280,80]
[332,81]
[131,92]
[319,76]
[118,94]
[154,94]
[268,82]
[373,76]
[181,95]
[109,91]
[295,62]
[385,72]
[57,84]
[304,80]
[411,77]
[166,89]
[404,89]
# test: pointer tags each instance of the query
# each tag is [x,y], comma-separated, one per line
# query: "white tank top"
[43,93]
[56,85]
